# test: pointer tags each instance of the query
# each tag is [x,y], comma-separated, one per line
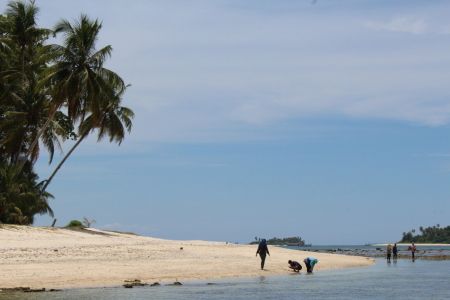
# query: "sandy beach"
[43,257]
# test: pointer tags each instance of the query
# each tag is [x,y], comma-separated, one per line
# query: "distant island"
[297,241]
[429,235]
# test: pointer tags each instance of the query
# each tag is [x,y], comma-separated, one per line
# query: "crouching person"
[294,265]
[310,262]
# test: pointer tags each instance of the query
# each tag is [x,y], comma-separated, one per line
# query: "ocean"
[404,279]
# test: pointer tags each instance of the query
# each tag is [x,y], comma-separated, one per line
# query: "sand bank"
[40,257]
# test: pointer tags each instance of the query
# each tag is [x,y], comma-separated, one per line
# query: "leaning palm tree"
[77,78]
[112,121]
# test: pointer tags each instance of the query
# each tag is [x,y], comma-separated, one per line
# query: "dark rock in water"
[209,283]
[135,282]
[34,290]
[55,290]
[175,283]
[155,284]
[128,286]
[15,289]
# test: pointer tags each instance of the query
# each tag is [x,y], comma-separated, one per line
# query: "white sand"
[40,257]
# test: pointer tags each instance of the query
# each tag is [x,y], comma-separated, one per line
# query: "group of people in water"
[311,261]
[394,251]
[294,265]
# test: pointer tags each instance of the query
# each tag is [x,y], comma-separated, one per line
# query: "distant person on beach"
[413,250]
[394,251]
[388,252]
[294,265]
[262,251]
[310,262]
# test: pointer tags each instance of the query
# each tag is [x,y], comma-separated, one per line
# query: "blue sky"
[328,121]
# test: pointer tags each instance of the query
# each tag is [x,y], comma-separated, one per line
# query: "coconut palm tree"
[19,45]
[21,197]
[23,30]
[112,121]
[77,78]
[27,113]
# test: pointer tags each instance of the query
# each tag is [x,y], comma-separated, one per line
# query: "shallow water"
[401,280]
[441,252]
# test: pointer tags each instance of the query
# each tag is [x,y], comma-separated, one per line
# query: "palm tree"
[23,29]
[112,121]
[88,223]
[77,79]
[23,120]
[21,197]
[20,42]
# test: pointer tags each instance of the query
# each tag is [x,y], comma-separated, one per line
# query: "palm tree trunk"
[62,162]
[36,140]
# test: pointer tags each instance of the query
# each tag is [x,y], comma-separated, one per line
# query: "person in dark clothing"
[388,252]
[394,251]
[294,265]
[262,251]
[413,250]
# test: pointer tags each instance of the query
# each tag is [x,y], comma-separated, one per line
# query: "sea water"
[404,279]
[374,251]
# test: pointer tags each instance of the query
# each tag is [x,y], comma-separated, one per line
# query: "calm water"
[404,279]
[375,251]
[365,247]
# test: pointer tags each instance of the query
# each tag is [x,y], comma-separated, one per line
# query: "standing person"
[394,251]
[262,250]
[310,262]
[413,250]
[388,252]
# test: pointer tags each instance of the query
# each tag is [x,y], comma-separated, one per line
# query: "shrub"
[75,223]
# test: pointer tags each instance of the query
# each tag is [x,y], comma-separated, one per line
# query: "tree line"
[284,241]
[49,94]
[432,234]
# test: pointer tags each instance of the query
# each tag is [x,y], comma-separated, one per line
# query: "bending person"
[310,262]
[294,265]
[262,250]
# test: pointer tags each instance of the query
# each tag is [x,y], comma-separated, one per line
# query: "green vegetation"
[435,234]
[285,241]
[88,223]
[49,94]
[75,224]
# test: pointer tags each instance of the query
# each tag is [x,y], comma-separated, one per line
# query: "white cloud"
[401,24]
[218,71]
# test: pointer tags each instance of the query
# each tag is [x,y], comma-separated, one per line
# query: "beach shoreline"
[44,257]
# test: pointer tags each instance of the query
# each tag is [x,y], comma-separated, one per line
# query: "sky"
[325,119]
